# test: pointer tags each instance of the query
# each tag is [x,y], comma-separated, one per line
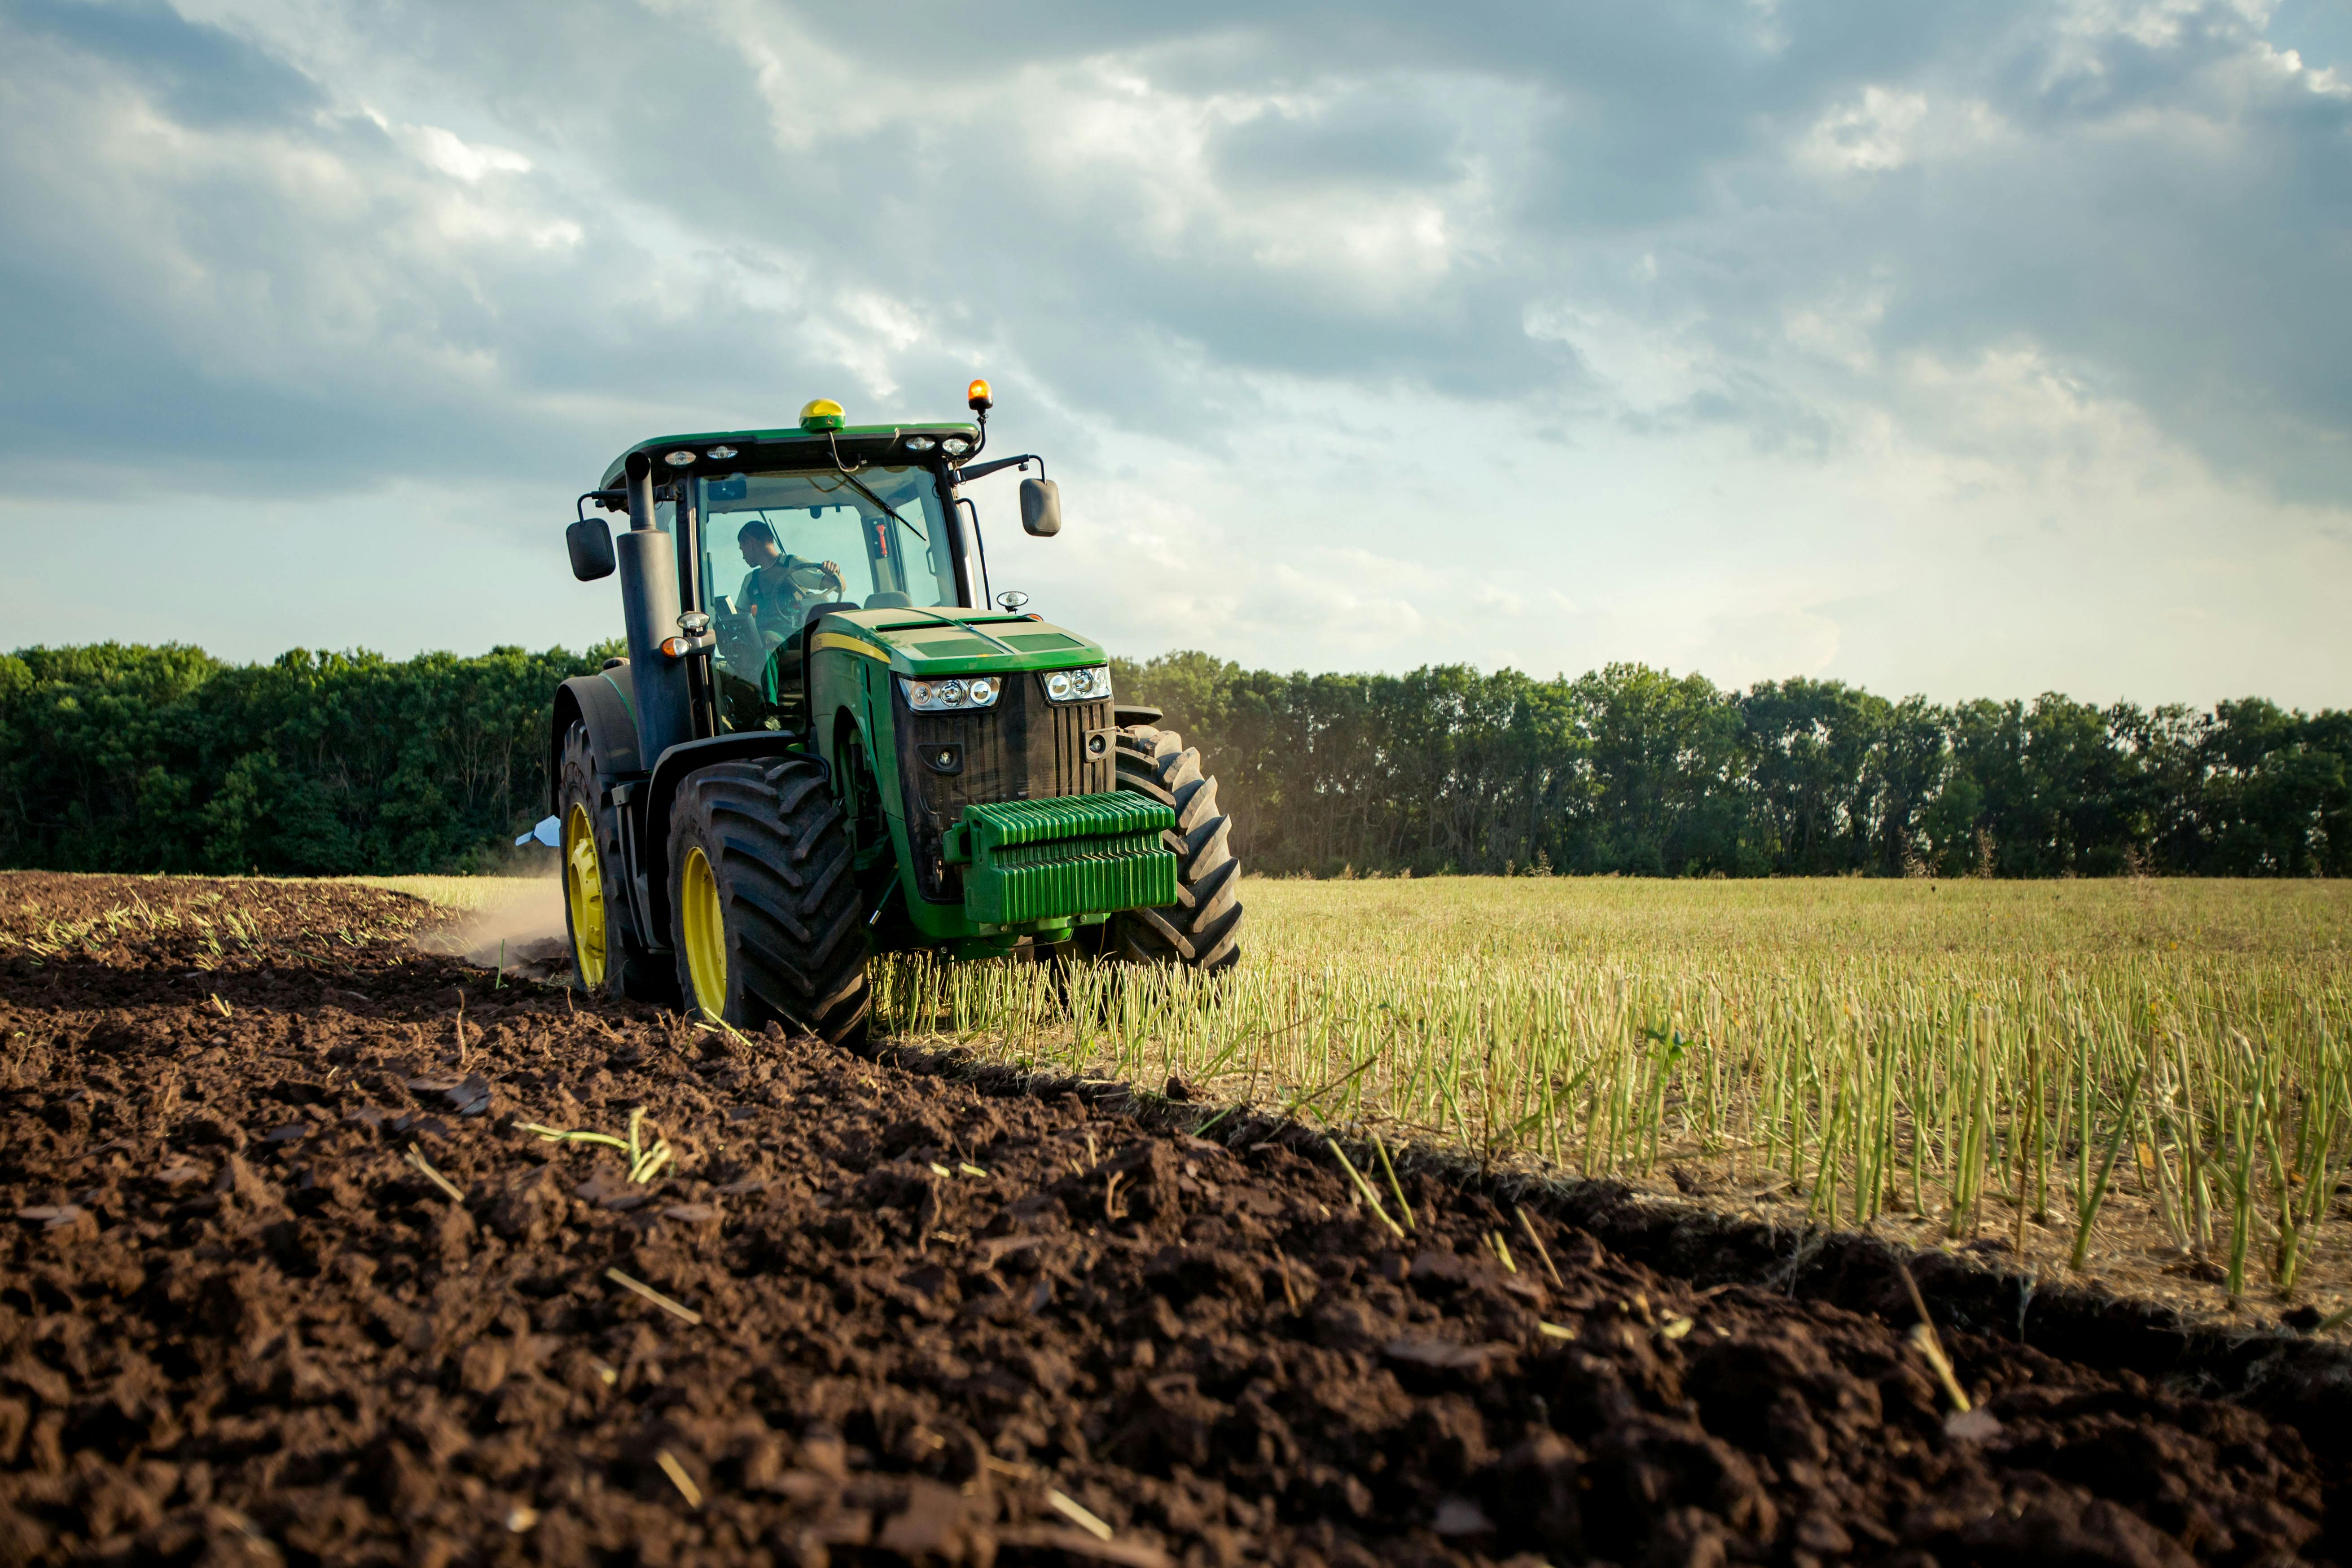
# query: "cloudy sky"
[1970,350]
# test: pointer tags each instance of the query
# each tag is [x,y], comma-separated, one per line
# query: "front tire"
[1202,930]
[764,913]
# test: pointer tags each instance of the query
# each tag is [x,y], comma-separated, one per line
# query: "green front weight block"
[1072,855]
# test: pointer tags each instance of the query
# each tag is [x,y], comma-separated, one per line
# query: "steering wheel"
[808,579]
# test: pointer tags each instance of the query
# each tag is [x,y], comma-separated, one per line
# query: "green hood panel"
[931,644]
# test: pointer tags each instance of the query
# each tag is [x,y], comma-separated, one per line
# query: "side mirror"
[591,542]
[1041,508]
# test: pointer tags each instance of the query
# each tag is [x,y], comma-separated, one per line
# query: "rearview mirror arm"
[964,476]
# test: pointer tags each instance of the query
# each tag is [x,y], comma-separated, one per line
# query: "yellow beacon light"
[977,398]
[822,413]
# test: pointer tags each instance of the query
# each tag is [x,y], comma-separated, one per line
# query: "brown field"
[299,1270]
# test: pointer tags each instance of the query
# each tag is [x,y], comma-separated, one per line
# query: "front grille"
[1024,748]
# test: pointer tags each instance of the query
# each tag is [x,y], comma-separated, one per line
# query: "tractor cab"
[770,527]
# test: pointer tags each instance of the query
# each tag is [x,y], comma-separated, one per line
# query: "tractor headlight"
[955,691]
[1079,685]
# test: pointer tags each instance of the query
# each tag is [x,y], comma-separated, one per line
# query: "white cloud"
[1869,135]
[1839,328]
[1741,648]
[1646,363]
[447,152]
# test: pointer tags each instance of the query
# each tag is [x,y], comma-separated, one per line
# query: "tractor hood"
[929,644]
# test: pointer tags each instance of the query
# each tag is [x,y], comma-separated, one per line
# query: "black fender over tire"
[777,849]
[629,972]
[1202,930]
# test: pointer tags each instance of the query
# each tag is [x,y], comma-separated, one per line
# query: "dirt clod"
[872,1315]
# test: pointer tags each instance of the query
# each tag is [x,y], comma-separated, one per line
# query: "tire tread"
[1202,930]
[795,934]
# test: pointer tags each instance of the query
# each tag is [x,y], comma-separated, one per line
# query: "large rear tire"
[1202,930]
[607,959]
[764,913]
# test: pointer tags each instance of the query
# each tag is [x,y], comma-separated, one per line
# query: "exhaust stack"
[648,561]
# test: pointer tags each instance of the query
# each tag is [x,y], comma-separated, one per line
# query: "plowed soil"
[909,1319]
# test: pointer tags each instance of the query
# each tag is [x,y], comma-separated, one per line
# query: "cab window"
[775,545]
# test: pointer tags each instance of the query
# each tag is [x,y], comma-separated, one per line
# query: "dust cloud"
[518,928]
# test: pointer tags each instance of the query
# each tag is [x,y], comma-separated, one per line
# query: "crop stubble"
[239,1321]
[2147,1084]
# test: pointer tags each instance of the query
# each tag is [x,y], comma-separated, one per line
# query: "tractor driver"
[779,586]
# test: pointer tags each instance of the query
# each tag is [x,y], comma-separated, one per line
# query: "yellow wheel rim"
[584,893]
[706,933]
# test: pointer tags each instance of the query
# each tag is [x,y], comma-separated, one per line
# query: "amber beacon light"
[978,398]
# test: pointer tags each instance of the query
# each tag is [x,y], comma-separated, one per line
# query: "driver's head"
[757,540]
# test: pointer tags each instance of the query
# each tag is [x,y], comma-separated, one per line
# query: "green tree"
[165,759]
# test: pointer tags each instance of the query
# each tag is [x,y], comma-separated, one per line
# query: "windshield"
[776,545]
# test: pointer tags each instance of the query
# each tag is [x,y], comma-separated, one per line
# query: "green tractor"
[827,739]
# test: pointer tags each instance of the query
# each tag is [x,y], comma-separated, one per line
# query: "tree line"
[165,759]
[1634,771]
[118,758]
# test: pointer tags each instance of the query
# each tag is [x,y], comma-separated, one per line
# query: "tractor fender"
[847,729]
[661,792]
[605,703]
